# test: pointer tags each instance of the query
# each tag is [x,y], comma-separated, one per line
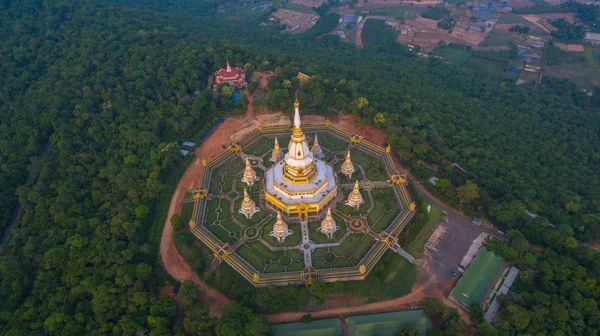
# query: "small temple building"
[328,225]
[347,167]
[248,207]
[235,77]
[316,149]
[300,183]
[280,229]
[277,153]
[249,174]
[355,198]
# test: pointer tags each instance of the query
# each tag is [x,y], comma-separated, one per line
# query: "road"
[18,209]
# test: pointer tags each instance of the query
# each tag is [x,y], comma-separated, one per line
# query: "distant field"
[400,13]
[591,56]
[582,75]
[299,8]
[476,281]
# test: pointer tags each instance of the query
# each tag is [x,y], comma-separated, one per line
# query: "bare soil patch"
[296,22]
[310,3]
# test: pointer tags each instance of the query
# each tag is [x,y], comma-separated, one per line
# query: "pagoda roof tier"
[314,191]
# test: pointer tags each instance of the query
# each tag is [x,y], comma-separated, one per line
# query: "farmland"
[295,22]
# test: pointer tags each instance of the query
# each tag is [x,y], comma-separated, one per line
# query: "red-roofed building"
[233,76]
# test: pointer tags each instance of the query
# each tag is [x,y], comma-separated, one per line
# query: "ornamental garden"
[340,236]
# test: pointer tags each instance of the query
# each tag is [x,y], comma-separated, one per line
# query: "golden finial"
[362,269]
[256,278]
[296,103]
[204,163]
[327,122]
[388,148]
[192,225]
[260,127]
[412,206]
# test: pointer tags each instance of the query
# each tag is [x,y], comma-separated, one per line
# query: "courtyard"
[363,234]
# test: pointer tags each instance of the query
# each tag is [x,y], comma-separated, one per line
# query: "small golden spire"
[347,167]
[204,163]
[388,148]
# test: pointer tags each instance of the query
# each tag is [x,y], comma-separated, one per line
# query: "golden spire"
[249,174]
[297,130]
[355,198]
[328,225]
[347,167]
[277,152]
[356,189]
[248,207]
[316,149]
[228,67]
[280,229]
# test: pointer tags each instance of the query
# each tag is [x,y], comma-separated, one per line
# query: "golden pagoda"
[347,167]
[248,207]
[280,229]
[316,149]
[328,226]
[299,184]
[249,174]
[277,152]
[355,198]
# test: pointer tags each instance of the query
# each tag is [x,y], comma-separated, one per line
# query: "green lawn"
[357,244]
[221,233]
[186,212]
[385,209]
[251,257]
[415,235]
[333,144]
[230,226]
[319,238]
[291,240]
[350,211]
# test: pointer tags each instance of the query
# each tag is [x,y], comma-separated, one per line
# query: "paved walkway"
[404,254]
[306,243]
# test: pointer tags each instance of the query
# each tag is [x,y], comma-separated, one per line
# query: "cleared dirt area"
[310,3]
[426,34]
[396,3]
[570,47]
[296,22]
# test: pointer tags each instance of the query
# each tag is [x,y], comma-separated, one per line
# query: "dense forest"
[111,85]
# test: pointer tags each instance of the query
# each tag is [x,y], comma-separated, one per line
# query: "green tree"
[467,192]
[176,222]
[476,312]
[379,120]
